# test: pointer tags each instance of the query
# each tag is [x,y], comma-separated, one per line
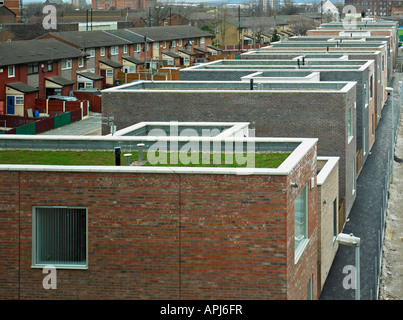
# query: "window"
[301,222]
[19,100]
[66,64]
[109,73]
[350,123]
[366,92]
[202,40]
[156,46]
[335,228]
[11,71]
[173,43]
[371,87]
[180,43]
[88,84]
[138,47]
[164,44]
[32,68]
[114,50]
[59,237]
[81,62]
[50,66]
[353,177]
[102,51]
[91,52]
[125,48]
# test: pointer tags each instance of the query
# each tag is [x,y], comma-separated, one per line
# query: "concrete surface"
[90,126]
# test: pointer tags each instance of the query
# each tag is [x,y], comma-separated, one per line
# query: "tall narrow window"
[350,123]
[353,176]
[59,236]
[309,289]
[335,228]
[11,71]
[301,221]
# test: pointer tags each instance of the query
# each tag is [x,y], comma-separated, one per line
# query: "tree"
[300,24]
[289,8]
[262,26]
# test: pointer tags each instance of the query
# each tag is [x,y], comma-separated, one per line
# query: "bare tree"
[300,24]
[261,27]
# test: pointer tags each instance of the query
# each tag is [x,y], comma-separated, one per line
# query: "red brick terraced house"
[32,69]
[105,51]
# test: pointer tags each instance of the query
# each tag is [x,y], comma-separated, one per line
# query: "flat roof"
[233,86]
[298,148]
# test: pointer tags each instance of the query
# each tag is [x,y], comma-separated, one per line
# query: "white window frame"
[164,44]
[114,50]
[36,264]
[12,73]
[298,250]
[102,51]
[353,177]
[81,62]
[19,100]
[109,73]
[91,51]
[125,48]
[88,84]
[180,43]
[138,47]
[68,63]
[350,124]
[173,43]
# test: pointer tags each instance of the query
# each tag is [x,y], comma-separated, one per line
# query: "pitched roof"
[27,51]
[60,80]
[110,63]
[170,32]
[132,60]
[90,75]
[171,54]
[189,53]
[127,34]
[90,39]
[22,87]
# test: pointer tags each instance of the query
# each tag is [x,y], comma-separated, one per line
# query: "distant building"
[7,15]
[328,8]
[120,4]
[14,6]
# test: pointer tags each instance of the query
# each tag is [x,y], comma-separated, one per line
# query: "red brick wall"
[163,236]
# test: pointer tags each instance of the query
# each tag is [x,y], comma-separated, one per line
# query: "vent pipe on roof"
[303,61]
[140,146]
[251,84]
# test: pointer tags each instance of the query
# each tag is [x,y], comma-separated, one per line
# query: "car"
[63,98]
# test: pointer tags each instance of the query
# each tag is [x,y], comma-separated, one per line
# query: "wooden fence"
[159,75]
[56,107]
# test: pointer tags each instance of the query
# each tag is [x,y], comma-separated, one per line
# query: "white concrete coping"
[327,168]
[232,126]
[305,145]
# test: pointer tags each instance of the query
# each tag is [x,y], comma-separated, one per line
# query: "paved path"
[90,126]
[365,216]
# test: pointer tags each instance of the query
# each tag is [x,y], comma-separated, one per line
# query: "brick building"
[278,70]
[105,51]
[43,67]
[277,109]
[209,233]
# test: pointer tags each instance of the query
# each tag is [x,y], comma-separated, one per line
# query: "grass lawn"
[107,158]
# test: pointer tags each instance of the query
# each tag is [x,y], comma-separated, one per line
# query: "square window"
[109,73]
[59,237]
[19,100]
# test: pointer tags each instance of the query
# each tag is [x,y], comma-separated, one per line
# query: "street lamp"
[351,240]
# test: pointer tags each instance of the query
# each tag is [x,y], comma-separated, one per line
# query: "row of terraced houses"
[64,62]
